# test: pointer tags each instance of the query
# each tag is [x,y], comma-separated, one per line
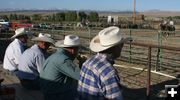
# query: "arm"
[17,54]
[111,85]
[70,69]
[39,62]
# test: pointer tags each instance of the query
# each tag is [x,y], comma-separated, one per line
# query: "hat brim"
[16,35]
[97,47]
[49,40]
[60,44]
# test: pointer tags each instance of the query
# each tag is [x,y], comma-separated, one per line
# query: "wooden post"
[134,15]
[149,74]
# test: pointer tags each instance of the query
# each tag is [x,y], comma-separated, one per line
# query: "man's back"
[31,62]
[99,78]
[53,76]
[12,55]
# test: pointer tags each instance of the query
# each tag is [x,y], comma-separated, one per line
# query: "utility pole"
[134,15]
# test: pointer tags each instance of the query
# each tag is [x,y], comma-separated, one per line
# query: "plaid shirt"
[99,78]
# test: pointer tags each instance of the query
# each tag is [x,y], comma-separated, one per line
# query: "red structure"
[22,23]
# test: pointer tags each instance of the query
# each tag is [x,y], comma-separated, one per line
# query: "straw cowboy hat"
[69,41]
[107,38]
[44,38]
[19,32]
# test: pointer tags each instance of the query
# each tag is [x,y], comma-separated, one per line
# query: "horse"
[167,29]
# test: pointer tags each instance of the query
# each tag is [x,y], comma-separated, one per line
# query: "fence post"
[159,54]
[130,47]
[89,38]
[148,74]
[160,51]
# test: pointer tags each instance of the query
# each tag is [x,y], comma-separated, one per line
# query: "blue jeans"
[68,95]
[30,84]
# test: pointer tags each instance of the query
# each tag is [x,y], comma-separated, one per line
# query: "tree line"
[69,16]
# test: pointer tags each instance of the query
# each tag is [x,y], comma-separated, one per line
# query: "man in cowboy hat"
[32,60]
[15,50]
[59,75]
[98,77]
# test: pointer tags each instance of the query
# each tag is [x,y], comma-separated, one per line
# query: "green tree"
[37,17]
[53,18]
[5,17]
[170,17]
[93,17]
[82,16]
[71,16]
[48,18]
[60,16]
[13,17]
[21,17]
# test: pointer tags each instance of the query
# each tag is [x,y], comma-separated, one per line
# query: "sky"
[100,5]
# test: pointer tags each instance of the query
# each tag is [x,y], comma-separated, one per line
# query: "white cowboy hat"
[107,38]
[69,41]
[19,32]
[44,37]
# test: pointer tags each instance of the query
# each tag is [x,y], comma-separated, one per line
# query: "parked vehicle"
[45,26]
[4,22]
[4,28]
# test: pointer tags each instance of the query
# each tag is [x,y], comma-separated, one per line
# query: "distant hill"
[158,13]
[155,13]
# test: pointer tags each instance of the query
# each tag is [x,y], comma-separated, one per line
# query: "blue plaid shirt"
[99,78]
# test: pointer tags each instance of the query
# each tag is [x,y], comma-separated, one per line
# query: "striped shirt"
[99,78]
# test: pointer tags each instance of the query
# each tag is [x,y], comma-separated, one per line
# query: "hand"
[82,59]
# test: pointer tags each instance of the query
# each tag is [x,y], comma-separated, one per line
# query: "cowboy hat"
[19,32]
[107,38]
[44,38]
[69,41]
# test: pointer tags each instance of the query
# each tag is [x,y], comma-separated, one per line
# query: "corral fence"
[165,50]
[163,56]
[149,47]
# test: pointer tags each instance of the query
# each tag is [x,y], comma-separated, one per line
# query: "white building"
[171,23]
[112,19]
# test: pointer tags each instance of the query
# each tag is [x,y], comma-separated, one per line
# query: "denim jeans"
[30,84]
[70,95]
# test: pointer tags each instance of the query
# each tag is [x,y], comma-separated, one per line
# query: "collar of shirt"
[17,40]
[65,53]
[107,57]
[21,44]
[35,46]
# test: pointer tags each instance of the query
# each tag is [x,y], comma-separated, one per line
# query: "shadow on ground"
[155,91]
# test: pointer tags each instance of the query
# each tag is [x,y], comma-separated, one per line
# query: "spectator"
[15,50]
[59,76]
[32,60]
[98,77]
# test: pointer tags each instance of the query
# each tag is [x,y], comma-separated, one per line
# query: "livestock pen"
[146,64]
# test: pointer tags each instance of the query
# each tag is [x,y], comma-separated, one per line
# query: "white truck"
[2,21]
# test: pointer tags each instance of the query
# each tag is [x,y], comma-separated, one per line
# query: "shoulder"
[57,57]
[14,46]
[35,50]
[98,65]
[13,43]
